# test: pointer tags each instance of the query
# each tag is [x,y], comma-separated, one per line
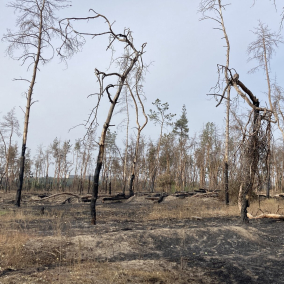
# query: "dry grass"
[94,272]
[53,262]
[272,206]
[192,208]
[12,246]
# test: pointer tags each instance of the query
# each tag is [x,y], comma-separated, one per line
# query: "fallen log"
[154,198]
[265,215]
[161,198]
[64,193]
[185,194]
[200,190]
[208,194]
[119,196]
[157,198]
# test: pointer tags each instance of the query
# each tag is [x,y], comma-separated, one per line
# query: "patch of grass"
[190,208]
[3,212]
[95,272]
[12,246]
[267,206]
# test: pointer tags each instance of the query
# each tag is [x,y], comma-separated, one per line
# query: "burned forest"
[142,142]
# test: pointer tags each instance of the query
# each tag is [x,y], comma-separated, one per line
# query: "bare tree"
[138,90]
[251,150]
[36,27]
[127,62]
[262,50]
[217,8]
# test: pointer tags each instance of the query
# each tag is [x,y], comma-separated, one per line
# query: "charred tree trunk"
[226,176]
[268,160]
[28,107]
[251,158]
[89,184]
[96,183]
[109,188]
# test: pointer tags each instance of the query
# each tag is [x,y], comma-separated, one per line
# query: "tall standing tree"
[216,7]
[181,130]
[128,63]
[262,50]
[138,90]
[32,45]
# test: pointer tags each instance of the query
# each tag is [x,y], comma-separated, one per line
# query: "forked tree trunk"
[27,113]
[140,128]
[102,140]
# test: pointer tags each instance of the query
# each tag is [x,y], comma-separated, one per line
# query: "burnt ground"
[185,246]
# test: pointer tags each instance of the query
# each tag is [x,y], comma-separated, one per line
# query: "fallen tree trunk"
[119,196]
[208,194]
[185,194]
[65,193]
[269,216]
[154,198]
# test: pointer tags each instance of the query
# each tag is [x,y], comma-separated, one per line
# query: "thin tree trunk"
[126,148]
[226,160]
[131,192]
[268,166]
[157,161]
[27,113]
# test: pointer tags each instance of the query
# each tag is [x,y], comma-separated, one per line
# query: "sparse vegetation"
[127,246]
[165,210]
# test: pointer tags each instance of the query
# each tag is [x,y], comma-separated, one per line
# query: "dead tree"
[262,50]
[128,63]
[217,8]
[36,22]
[139,127]
[251,149]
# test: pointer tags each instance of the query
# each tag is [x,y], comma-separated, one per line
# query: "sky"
[182,51]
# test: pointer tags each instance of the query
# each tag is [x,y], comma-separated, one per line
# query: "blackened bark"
[226,176]
[251,163]
[89,184]
[21,177]
[268,160]
[153,178]
[245,205]
[96,184]
[131,192]
[109,188]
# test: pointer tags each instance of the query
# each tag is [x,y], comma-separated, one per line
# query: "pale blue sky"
[184,52]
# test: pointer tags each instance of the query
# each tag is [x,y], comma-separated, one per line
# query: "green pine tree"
[181,125]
